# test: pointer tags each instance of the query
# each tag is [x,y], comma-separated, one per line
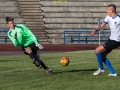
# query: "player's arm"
[98,28]
[14,40]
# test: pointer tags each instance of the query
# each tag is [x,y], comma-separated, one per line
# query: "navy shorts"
[110,45]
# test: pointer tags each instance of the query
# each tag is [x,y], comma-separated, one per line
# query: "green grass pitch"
[18,72]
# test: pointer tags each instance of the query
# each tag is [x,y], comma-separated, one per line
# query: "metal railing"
[4,38]
[84,36]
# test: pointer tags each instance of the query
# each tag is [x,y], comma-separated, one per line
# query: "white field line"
[8,71]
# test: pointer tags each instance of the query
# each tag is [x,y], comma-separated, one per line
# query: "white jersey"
[114,24]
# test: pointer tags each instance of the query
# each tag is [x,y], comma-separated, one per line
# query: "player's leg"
[98,52]
[48,70]
[38,60]
[36,53]
[109,46]
[29,51]
[108,64]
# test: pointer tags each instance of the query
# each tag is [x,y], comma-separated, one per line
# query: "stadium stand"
[26,12]
[8,8]
[32,14]
[48,19]
[73,15]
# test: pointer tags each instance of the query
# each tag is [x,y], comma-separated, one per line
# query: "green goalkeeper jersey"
[24,36]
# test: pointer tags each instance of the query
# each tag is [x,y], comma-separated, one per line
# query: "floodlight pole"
[99,31]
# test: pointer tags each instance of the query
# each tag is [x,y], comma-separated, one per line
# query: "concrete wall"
[9,8]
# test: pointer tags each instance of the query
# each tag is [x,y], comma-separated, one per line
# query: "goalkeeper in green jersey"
[21,36]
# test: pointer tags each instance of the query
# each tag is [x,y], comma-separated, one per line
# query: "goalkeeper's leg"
[33,53]
[42,64]
[35,61]
[48,70]
[32,56]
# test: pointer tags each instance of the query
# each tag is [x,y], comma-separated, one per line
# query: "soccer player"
[113,19]
[21,36]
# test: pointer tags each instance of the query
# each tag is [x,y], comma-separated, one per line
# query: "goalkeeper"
[21,36]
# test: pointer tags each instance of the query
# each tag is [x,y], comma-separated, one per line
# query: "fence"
[3,37]
[84,36]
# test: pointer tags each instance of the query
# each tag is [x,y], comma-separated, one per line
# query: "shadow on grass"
[86,70]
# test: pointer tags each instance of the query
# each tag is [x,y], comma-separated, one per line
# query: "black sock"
[42,64]
[32,56]
[35,58]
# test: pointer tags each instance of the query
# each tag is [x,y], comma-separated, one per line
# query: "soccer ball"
[64,61]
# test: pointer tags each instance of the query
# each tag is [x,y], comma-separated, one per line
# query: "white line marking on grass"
[8,71]
[15,70]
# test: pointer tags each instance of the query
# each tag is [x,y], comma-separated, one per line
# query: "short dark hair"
[8,19]
[113,7]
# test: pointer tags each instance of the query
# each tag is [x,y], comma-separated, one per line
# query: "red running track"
[58,47]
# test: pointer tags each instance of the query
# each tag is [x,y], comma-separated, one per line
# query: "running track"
[9,49]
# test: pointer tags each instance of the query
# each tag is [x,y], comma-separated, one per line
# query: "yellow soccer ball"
[64,61]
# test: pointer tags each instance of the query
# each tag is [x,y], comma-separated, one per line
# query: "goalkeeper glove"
[39,46]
